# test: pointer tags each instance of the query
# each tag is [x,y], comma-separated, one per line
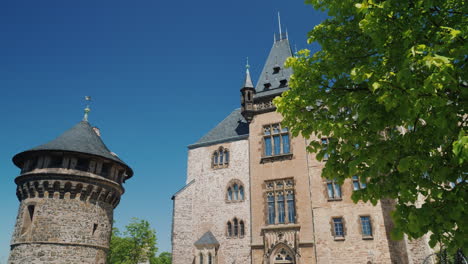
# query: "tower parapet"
[68,189]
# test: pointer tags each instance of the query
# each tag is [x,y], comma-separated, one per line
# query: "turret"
[68,189]
[247,96]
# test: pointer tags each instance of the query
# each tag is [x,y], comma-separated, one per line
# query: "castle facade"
[255,195]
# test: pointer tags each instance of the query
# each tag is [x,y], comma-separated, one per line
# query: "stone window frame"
[334,183]
[332,228]
[215,158]
[371,220]
[325,141]
[233,226]
[272,188]
[275,157]
[230,186]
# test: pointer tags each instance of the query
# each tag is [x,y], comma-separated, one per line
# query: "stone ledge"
[58,244]
[288,156]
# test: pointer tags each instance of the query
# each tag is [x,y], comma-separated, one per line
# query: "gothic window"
[338,227]
[333,190]
[201,258]
[357,185]
[220,158]
[235,228]
[366,226]
[283,256]
[241,229]
[235,191]
[280,201]
[210,258]
[229,229]
[276,140]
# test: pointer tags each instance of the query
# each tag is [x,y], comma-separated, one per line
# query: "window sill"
[217,167]
[235,201]
[276,158]
[367,238]
[339,238]
[335,199]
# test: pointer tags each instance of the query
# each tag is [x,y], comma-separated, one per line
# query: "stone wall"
[203,206]
[64,225]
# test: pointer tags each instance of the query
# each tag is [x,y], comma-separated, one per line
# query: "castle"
[253,193]
[68,189]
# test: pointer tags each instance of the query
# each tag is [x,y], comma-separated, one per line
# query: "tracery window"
[220,158]
[235,228]
[280,201]
[275,140]
[235,191]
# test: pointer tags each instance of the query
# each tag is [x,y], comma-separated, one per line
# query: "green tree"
[389,88]
[138,243]
[164,258]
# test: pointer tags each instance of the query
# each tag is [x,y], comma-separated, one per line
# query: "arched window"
[229,229]
[236,227]
[241,229]
[210,259]
[201,258]
[220,158]
[236,192]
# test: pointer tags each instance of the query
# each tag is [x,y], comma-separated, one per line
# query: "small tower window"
[105,169]
[266,86]
[82,164]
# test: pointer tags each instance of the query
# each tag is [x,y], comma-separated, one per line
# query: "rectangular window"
[276,140]
[338,227]
[280,201]
[291,207]
[271,208]
[358,185]
[267,146]
[325,147]
[333,190]
[281,210]
[366,226]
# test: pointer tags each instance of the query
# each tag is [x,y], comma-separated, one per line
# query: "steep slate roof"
[280,51]
[80,139]
[233,127]
[207,239]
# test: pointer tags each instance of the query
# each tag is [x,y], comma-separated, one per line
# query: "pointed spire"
[279,24]
[87,109]
[248,81]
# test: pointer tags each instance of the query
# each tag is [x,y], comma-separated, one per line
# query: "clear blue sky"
[161,74]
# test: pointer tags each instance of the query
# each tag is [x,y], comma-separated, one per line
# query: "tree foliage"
[389,87]
[136,245]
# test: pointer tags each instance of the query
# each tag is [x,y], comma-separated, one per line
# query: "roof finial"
[87,109]
[279,24]
[247,66]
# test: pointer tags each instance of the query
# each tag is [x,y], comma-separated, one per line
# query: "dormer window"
[267,86]
[276,69]
[283,83]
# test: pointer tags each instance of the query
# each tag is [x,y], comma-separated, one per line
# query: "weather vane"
[87,109]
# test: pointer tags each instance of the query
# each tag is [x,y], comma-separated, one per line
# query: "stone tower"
[68,189]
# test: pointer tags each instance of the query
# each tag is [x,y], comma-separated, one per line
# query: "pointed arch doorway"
[282,255]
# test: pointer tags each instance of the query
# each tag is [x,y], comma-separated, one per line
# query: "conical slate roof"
[248,81]
[207,239]
[280,51]
[79,139]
